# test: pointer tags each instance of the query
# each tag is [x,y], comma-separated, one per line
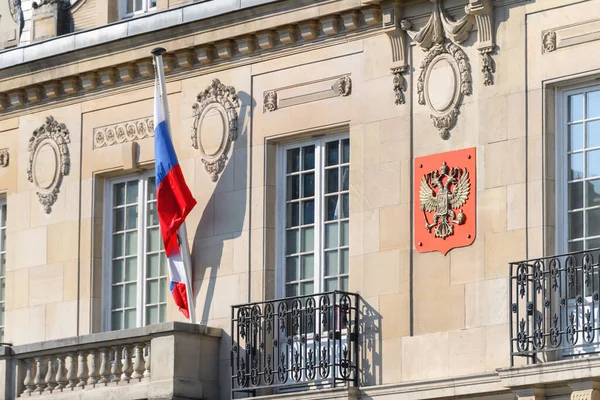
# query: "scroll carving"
[270,100]
[344,86]
[548,41]
[220,102]
[48,148]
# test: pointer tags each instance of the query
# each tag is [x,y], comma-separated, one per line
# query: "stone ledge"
[550,372]
[149,331]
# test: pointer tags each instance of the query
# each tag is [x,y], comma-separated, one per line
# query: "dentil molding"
[49,160]
[215,125]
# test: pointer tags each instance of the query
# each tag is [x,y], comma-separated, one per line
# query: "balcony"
[295,343]
[170,360]
[555,304]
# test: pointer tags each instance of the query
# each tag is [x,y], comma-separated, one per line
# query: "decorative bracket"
[391,26]
[218,103]
[49,160]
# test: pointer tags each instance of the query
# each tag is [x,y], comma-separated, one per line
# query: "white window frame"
[142,241]
[3,277]
[280,219]
[561,165]
[145,8]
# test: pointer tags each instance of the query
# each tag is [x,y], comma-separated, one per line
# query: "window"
[581,171]
[129,8]
[134,254]
[2,265]
[313,202]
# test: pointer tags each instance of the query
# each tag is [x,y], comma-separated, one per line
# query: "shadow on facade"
[369,345]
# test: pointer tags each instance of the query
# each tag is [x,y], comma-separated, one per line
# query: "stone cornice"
[276,41]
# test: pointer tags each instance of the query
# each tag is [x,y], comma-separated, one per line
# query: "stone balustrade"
[119,362]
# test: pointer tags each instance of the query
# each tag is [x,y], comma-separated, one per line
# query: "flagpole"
[183,239]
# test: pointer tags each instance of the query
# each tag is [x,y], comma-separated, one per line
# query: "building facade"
[396,199]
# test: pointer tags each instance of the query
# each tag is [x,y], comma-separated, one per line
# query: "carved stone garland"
[49,160]
[219,101]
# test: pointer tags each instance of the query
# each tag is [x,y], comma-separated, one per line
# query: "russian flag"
[175,201]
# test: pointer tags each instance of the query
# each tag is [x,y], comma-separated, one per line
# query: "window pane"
[2,264]
[592,193]
[131,269]
[2,239]
[345,178]
[132,192]
[132,217]
[331,263]
[116,320]
[293,215]
[162,314]
[291,241]
[576,166]
[3,215]
[130,319]
[308,267]
[345,211]
[138,5]
[346,151]
[163,290]
[152,265]
[593,163]
[592,244]
[309,157]
[152,315]
[592,225]
[344,283]
[331,235]
[152,292]
[151,188]
[291,269]
[592,131]
[291,290]
[308,239]
[331,284]
[152,214]
[163,264]
[306,288]
[130,295]
[153,239]
[331,153]
[293,187]
[308,212]
[129,8]
[575,246]
[576,225]
[119,194]
[344,261]
[331,180]
[308,184]
[332,210]
[117,297]
[344,233]
[118,240]
[576,107]
[293,160]
[575,137]
[131,239]
[576,195]
[118,219]
[117,271]
[593,104]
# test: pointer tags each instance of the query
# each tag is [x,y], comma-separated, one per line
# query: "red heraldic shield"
[445,201]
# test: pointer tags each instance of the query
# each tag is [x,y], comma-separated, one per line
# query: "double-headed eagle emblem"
[453,188]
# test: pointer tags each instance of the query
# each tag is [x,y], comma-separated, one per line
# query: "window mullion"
[141,249]
[319,237]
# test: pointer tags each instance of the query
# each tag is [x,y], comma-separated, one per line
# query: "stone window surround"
[3,210]
[146,7]
[294,140]
[103,253]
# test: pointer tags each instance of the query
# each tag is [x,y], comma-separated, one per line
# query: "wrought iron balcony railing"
[305,340]
[554,306]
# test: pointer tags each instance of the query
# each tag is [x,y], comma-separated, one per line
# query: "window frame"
[3,202]
[123,14]
[141,279]
[319,222]
[561,162]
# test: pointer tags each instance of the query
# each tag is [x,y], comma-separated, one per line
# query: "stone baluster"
[50,374]
[71,370]
[28,381]
[148,361]
[82,370]
[61,373]
[127,364]
[116,369]
[93,368]
[139,365]
[39,380]
[104,363]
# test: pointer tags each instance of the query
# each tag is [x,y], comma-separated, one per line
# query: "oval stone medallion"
[45,166]
[441,85]
[213,130]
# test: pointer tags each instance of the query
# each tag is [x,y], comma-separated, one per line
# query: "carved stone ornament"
[343,86]
[548,42]
[441,30]
[49,160]
[215,125]
[3,158]
[124,132]
[445,193]
[270,100]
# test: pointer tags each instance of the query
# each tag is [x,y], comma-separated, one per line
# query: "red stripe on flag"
[180,297]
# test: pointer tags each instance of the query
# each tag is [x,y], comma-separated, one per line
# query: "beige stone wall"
[439,316]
